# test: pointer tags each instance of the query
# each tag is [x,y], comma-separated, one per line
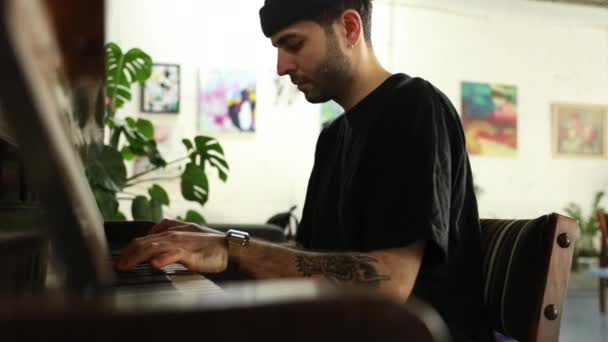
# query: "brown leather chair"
[526,265]
[603,259]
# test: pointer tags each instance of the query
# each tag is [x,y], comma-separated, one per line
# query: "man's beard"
[332,76]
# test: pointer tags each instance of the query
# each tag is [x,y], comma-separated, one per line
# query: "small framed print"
[161,92]
[579,130]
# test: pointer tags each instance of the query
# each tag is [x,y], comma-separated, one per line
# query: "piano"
[43,290]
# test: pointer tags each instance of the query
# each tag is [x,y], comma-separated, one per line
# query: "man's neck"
[368,76]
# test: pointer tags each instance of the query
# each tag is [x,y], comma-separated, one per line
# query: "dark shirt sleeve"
[408,198]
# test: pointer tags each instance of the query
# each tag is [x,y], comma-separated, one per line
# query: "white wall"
[269,169]
[551,52]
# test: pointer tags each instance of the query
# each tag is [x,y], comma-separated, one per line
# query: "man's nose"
[285,63]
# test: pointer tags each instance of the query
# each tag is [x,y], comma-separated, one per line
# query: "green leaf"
[106,170]
[107,203]
[112,122]
[194,184]
[140,139]
[158,193]
[201,143]
[156,210]
[154,155]
[116,133]
[130,122]
[127,154]
[114,165]
[194,217]
[573,210]
[146,128]
[209,150]
[215,146]
[147,210]
[188,144]
[98,177]
[222,163]
[122,70]
[219,160]
[140,208]
[118,216]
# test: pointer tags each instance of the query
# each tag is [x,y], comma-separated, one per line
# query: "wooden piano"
[36,301]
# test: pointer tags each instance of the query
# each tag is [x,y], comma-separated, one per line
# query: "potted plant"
[588,229]
[134,137]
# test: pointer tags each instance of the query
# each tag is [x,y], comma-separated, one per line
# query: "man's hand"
[173,225]
[199,252]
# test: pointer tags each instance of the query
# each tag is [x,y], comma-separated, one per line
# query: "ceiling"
[597,3]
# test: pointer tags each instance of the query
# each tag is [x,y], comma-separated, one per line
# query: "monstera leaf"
[139,136]
[107,170]
[122,70]
[207,149]
[106,174]
[194,184]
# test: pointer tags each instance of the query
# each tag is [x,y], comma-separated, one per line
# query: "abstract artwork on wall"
[160,93]
[579,130]
[227,101]
[489,116]
[329,111]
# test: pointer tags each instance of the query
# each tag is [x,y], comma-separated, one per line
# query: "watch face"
[237,236]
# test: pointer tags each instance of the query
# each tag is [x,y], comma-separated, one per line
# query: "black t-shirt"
[394,170]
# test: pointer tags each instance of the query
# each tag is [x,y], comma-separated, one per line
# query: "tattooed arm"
[390,271]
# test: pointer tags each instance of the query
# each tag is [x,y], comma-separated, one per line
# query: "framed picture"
[579,130]
[161,92]
[489,117]
[227,101]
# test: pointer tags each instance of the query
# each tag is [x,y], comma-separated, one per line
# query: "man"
[390,200]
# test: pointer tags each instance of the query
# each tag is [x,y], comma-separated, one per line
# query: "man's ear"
[352,26]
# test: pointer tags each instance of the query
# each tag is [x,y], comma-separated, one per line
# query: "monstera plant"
[131,137]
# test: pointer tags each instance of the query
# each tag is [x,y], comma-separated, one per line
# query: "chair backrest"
[526,265]
[603,220]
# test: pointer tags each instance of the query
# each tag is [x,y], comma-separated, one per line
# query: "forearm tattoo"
[356,269]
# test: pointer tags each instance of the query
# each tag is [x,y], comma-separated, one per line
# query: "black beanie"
[278,14]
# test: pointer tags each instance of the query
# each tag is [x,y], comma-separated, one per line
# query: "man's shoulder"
[414,88]
[416,95]
[408,97]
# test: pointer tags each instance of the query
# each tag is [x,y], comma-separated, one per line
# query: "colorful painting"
[160,93]
[227,101]
[579,130]
[329,111]
[489,115]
